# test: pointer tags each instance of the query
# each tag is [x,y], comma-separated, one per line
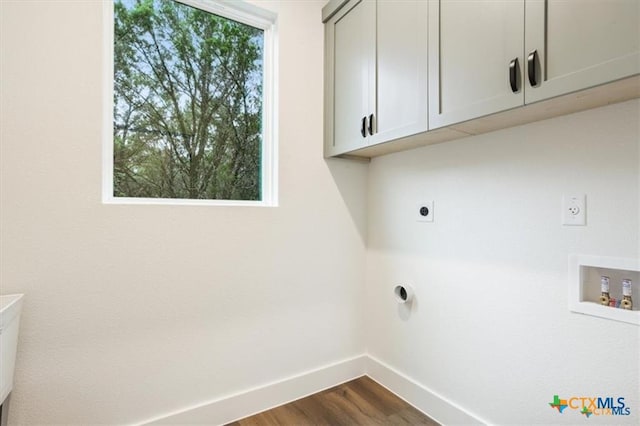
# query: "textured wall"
[490,329]
[135,311]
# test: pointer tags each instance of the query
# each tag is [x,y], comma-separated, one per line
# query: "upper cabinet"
[478,65]
[353,79]
[402,71]
[475,54]
[415,72]
[575,44]
[375,73]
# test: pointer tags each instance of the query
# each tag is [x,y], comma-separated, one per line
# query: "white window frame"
[236,10]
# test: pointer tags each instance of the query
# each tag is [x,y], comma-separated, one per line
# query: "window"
[192,119]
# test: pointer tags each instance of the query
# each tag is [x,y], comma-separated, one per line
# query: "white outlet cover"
[574,210]
[424,211]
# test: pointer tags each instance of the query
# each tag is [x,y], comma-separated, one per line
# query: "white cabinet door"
[579,44]
[401,70]
[350,65]
[472,44]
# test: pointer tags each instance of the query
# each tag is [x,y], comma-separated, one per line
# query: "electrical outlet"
[574,210]
[424,211]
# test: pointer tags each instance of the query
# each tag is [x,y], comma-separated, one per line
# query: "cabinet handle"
[531,68]
[371,125]
[363,127]
[513,75]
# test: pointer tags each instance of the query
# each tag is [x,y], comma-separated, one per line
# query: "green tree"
[187,103]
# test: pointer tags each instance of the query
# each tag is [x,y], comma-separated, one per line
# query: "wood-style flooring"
[358,402]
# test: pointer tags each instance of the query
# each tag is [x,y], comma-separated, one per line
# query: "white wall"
[490,329]
[136,311]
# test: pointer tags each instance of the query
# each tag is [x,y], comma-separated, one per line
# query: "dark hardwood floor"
[358,402]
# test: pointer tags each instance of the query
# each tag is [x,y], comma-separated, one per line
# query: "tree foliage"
[187,103]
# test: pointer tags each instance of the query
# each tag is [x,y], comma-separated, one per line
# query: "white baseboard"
[424,399]
[234,407]
[240,405]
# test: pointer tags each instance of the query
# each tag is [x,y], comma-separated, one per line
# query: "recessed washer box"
[584,286]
